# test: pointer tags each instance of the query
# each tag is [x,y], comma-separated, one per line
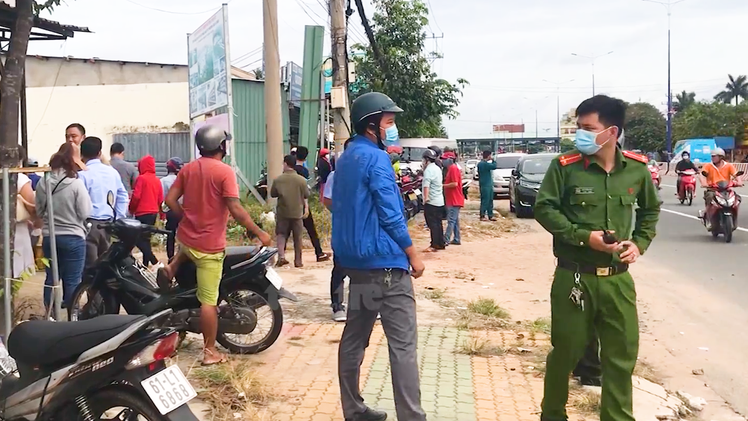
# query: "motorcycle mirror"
[739,173]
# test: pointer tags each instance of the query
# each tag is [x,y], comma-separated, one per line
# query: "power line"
[214,9]
[249,54]
[431,10]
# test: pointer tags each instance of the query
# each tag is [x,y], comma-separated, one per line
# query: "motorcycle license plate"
[417,192]
[412,196]
[168,389]
[274,278]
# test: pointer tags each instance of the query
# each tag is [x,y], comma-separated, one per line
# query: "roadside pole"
[273,121]
[341,116]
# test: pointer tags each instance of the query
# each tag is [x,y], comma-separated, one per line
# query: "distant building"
[569,125]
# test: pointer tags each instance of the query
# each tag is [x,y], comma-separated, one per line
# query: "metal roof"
[49,28]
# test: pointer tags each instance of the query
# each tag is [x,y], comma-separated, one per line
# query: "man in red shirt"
[453,199]
[209,192]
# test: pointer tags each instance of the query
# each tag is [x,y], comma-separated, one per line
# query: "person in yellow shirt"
[716,171]
[395,159]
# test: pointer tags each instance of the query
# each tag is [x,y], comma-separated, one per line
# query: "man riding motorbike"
[684,164]
[716,171]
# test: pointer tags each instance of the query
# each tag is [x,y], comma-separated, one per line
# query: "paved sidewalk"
[454,386]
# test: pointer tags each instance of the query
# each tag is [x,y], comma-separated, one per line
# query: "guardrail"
[671,173]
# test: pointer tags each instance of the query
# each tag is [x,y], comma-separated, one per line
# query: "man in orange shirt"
[209,192]
[716,171]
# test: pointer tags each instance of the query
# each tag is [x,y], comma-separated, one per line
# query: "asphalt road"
[701,264]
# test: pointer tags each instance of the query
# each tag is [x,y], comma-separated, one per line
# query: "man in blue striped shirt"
[100,179]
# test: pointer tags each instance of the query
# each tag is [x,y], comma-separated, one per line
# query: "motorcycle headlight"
[721,200]
[730,201]
[529,184]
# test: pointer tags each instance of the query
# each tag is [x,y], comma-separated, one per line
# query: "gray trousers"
[389,293]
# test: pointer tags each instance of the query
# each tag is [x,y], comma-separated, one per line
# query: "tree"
[645,127]
[709,119]
[401,70]
[684,100]
[258,73]
[566,145]
[735,89]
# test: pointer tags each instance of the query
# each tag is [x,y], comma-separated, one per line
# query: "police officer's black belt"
[593,270]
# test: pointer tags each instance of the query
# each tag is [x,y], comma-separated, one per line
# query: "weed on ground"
[234,391]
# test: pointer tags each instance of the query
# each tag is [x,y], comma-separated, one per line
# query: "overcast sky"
[504,48]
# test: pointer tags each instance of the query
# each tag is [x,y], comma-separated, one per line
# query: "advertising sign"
[292,76]
[207,58]
[510,128]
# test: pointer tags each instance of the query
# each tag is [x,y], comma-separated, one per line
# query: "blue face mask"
[391,136]
[584,141]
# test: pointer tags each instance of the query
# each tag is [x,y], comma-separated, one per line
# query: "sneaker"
[340,316]
[455,243]
[369,415]
[323,257]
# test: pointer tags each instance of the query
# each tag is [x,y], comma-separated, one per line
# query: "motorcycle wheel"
[690,197]
[113,403]
[252,297]
[84,306]
[728,228]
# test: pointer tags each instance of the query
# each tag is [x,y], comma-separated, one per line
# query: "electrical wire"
[249,54]
[214,9]
[431,10]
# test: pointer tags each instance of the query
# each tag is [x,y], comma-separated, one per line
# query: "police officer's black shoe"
[590,381]
[369,415]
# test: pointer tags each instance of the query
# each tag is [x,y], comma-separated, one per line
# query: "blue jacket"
[369,228]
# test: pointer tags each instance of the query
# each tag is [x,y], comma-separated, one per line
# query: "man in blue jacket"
[371,242]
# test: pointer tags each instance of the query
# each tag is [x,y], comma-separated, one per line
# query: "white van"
[505,163]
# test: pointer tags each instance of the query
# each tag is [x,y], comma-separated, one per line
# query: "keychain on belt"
[577,295]
[388,277]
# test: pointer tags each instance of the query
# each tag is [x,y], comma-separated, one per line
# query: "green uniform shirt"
[484,173]
[577,196]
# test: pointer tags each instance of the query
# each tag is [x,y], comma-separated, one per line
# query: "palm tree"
[684,100]
[259,75]
[736,89]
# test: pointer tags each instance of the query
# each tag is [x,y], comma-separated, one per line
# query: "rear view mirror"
[515,173]
[703,173]
[739,173]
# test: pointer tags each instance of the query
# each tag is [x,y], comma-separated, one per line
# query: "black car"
[525,182]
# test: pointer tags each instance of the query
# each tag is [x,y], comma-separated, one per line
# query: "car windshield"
[536,166]
[413,154]
[506,162]
[472,162]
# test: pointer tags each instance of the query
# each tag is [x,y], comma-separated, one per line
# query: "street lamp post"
[667,5]
[592,59]
[558,105]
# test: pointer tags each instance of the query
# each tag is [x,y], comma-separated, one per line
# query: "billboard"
[292,76]
[510,128]
[208,61]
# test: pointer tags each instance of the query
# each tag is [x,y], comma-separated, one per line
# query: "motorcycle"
[687,182]
[410,184]
[249,286]
[262,184]
[721,215]
[465,187]
[93,369]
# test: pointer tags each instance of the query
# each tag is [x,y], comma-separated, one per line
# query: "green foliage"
[684,100]
[403,72]
[567,145]
[735,90]
[708,119]
[40,6]
[645,127]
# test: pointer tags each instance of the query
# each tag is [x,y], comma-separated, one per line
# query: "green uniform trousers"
[609,311]
[486,199]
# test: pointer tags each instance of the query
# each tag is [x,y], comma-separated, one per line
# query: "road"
[701,301]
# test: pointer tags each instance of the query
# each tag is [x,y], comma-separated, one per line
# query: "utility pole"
[667,5]
[273,121]
[558,104]
[592,59]
[341,117]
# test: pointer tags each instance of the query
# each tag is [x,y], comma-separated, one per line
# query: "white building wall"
[106,97]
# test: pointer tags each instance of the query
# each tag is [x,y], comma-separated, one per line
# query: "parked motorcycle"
[721,215]
[112,366]
[249,291]
[262,184]
[687,186]
[410,184]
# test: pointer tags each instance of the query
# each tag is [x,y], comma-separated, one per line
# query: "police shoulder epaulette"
[636,157]
[571,158]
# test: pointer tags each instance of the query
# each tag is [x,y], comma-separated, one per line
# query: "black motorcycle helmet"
[430,155]
[367,110]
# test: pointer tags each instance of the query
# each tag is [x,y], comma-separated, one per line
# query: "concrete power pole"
[273,121]
[341,116]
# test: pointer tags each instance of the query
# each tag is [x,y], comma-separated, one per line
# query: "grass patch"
[540,325]
[467,320]
[233,388]
[435,294]
[235,233]
[481,347]
[645,371]
[586,401]
[487,307]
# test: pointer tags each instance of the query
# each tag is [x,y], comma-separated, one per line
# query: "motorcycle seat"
[43,343]
[239,254]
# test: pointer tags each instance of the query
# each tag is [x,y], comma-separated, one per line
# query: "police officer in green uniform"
[485,183]
[587,202]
